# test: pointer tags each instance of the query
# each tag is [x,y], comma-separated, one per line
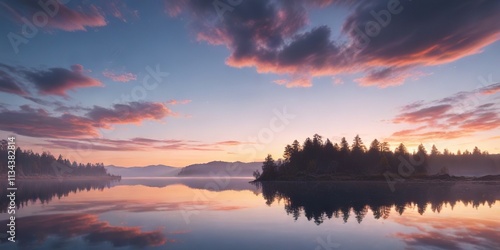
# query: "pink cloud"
[119,77]
[57,81]
[449,233]
[134,112]
[40,123]
[61,17]
[337,80]
[139,144]
[427,114]
[448,118]
[491,89]
[300,82]
[89,227]
[388,77]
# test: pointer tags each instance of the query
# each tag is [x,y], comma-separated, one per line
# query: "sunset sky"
[134,83]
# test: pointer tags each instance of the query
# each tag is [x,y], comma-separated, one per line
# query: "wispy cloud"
[460,115]
[9,84]
[61,16]
[386,77]
[177,102]
[139,144]
[134,112]
[119,77]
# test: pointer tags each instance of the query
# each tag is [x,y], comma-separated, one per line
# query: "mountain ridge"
[212,168]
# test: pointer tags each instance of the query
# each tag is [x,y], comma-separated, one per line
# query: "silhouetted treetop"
[29,163]
[319,158]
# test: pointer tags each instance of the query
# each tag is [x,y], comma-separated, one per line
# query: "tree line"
[317,157]
[29,163]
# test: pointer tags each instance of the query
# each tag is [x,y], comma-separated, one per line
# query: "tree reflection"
[324,200]
[45,190]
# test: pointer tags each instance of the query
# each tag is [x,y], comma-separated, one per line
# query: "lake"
[222,213]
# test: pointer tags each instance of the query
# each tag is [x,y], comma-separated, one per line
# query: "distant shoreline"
[51,177]
[420,179]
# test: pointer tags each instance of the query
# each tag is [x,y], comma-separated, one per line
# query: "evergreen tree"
[358,146]
[384,147]
[423,157]
[476,151]
[344,146]
[269,169]
[421,150]
[435,151]
[401,150]
[375,147]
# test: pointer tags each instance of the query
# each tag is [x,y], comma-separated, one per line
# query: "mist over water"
[208,213]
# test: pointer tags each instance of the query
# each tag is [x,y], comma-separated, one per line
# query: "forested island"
[316,159]
[29,164]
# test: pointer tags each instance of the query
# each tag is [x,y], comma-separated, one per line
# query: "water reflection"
[450,233]
[46,190]
[325,200]
[36,229]
[216,184]
[149,214]
[30,191]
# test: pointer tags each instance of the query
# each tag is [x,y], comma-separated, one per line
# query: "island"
[316,160]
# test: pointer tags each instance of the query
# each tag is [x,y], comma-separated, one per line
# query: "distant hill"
[147,171]
[214,168]
[221,168]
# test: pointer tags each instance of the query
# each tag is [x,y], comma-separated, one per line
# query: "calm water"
[233,214]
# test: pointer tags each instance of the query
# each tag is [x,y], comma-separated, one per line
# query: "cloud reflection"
[450,233]
[37,229]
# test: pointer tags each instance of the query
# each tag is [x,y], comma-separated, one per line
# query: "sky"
[180,82]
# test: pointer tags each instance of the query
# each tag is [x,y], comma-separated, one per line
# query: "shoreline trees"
[29,163]
[316,157]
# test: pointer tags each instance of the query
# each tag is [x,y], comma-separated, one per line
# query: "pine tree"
[435,151]
[476,151]
[358,146]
